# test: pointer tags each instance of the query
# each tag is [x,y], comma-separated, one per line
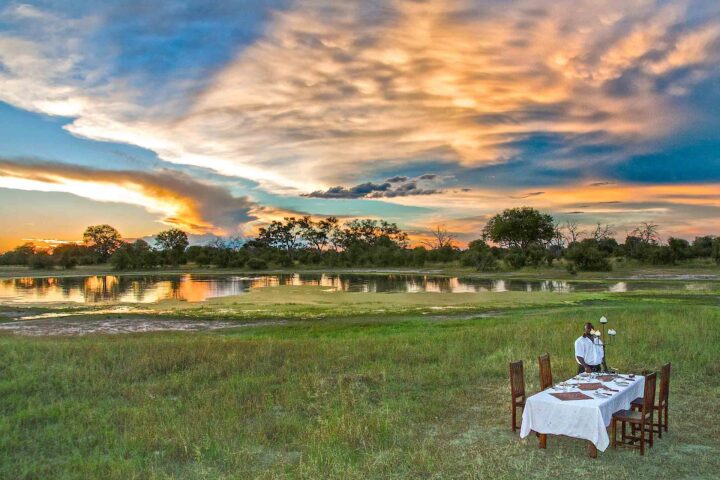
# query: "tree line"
[512,239]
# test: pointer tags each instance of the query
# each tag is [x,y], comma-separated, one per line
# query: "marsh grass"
[353,397]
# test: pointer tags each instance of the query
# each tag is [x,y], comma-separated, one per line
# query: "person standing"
[588,352]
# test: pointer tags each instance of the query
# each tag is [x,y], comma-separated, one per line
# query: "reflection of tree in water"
[175,290]
[102,288]
[139,287]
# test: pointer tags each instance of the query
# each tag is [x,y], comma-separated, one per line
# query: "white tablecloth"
[586,419]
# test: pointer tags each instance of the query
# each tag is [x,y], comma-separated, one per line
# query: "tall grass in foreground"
[342,399]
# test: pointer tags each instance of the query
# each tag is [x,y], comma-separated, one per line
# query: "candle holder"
[609,339]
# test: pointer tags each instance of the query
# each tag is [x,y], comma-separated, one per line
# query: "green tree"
[172,243]
[679,248]
[317,234]
[702,246]
[103,239]
[284,235]
[519,228]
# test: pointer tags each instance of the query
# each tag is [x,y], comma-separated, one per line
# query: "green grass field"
[352,386]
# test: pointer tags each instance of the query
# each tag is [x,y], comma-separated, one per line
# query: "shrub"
[515,258]
[480,256]
[68,262]
[537,254]
[660,255]
[41,261]
[586,256]
[257,264]
[716,250]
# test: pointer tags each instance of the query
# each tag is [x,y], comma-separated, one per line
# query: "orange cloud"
[182,201]
[330,94]
[685,210]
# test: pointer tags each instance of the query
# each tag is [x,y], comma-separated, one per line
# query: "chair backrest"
[649,394]
[517,379]
[664,385]
[546,380]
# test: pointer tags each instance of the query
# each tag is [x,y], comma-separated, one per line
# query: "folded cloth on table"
[571,396]
[606,378]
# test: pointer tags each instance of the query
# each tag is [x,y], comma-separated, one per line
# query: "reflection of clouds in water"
[620,287]
[499,286]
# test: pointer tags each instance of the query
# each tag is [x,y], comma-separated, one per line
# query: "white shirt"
[590,350]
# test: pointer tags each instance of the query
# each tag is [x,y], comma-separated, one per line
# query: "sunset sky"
[216,117]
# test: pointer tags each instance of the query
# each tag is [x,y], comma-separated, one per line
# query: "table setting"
[581,406]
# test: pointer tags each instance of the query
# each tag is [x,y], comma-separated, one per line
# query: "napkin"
[589,386]
[571,396]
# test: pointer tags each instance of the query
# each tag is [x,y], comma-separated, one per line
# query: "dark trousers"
[593,368]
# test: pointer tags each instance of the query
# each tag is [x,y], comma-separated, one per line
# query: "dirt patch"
[79,327]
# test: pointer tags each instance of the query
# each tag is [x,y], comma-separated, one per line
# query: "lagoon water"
[197,288]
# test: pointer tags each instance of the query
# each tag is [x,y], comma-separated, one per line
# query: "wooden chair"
[662,405]
[546,380]
[517,390]
[642,420]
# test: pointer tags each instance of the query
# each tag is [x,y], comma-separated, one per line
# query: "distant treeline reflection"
[195,288]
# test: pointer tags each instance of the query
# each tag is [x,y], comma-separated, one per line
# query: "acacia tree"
[316,234]
[103,239]
[440,238]
[647,232]
[521,228]
[284,235]
[603,232]
[573,232]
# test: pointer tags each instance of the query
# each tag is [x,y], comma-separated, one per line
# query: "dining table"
[580,407]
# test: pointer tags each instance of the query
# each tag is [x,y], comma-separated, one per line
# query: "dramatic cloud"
[561,106]
[184,202]
[392,187]
[332,92]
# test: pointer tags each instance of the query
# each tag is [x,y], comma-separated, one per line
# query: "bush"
[68,262]
[679,248]
[120,260]
[41,261]
[587,257]
[537,254]
[515,258]
[660,256]
[480,256]
[257,264]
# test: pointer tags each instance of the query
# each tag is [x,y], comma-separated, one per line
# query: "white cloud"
[334,92]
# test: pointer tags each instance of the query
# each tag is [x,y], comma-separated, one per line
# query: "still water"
[197,288]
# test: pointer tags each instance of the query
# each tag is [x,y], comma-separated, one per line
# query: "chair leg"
[660,423]
[514,414]
[665,417]
[614,433]
[652,429]
[642,438]
[623,434]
